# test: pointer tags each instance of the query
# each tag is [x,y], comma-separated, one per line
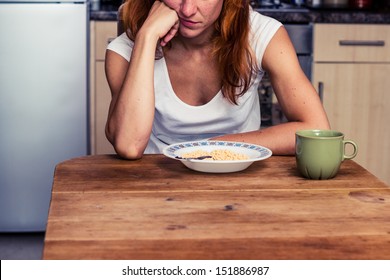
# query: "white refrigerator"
[43,103]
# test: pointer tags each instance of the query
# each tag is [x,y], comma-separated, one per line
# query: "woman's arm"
[131,111]
[297,97]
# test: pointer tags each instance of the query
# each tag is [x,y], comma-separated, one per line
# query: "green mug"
[319,153]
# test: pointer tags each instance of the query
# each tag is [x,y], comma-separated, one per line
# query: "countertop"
[292,15]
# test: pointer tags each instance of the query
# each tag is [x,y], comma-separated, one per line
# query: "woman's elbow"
[128,152]
[126,149]
[324,123]
[316,118]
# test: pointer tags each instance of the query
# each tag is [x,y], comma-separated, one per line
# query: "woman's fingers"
[172,33]
[163,21]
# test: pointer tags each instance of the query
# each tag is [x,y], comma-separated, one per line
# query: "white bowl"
[254,152]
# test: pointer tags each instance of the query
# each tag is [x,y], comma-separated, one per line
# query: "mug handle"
[355,149]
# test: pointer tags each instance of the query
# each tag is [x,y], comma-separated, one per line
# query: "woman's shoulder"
[122,45]
[263,29]
[259,21]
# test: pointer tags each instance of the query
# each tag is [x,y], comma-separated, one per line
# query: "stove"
[277,5]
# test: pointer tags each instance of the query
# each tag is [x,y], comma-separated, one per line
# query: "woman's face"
[195,16]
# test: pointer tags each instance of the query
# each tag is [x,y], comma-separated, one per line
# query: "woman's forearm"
[280,139]
[132,111]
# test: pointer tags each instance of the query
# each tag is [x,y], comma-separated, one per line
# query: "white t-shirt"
[176,121]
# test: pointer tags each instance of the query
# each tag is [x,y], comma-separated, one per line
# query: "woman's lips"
[187,23]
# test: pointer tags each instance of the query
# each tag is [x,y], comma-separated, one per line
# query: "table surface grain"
[104,207]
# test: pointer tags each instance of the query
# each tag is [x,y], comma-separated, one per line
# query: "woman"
[189,70]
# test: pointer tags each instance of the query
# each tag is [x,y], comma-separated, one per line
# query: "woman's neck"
[202,42]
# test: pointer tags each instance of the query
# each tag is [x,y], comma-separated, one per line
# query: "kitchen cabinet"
[101,32]
[352,64]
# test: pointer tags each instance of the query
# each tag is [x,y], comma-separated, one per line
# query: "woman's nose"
[188,7]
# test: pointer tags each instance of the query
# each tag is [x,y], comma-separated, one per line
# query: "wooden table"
[103,207]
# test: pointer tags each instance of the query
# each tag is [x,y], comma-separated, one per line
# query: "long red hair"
[231,48]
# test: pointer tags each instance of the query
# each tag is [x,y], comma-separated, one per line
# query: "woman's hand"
[162,21]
